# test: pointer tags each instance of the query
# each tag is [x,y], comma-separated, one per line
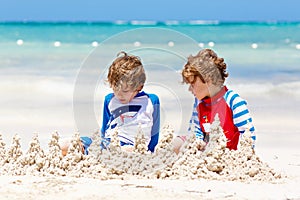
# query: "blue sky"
[109,10]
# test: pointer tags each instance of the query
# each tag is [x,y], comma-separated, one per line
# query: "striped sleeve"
[156,122]
[194,124]
[106,114]
[241,116]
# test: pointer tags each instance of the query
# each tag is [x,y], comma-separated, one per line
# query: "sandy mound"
[194,161]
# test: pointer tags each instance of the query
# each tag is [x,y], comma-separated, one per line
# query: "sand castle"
[196,160]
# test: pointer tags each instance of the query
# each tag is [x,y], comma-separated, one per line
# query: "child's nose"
[119,94]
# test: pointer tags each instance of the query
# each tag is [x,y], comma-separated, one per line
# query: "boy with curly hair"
[206,73]
[127,109]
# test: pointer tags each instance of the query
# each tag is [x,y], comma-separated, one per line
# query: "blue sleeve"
[156,122]
[194,124]
[106,114]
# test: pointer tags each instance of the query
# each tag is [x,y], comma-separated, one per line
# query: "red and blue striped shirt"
[233,114]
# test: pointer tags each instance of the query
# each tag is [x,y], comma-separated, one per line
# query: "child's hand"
[64,145]
[177,142]
[128,148]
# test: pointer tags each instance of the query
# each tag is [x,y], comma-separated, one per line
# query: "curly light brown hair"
[207,66]
[126,69]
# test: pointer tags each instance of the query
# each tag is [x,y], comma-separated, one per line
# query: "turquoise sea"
[263,46]
[52,73]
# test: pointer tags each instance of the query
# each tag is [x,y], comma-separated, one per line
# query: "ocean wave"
[152,22]
[26,88]
[203,22]
[143,22]
[268,89]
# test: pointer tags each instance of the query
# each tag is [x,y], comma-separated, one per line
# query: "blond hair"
[126,69]
[207,66]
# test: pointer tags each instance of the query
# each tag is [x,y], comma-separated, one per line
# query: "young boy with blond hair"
[128,109]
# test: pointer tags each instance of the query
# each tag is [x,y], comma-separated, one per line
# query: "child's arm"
[105,122]
[194,128]
[106,114]
[156,122]
[194,124]
[241,115]
[177,143]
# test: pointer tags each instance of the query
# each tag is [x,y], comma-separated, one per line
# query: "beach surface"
[282,183]
[28,187]
[57,187]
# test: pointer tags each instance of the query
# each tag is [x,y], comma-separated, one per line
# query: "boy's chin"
[123,101]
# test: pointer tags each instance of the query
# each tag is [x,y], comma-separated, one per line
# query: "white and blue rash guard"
[143,111]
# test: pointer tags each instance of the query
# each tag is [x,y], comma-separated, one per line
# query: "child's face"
[125,94]
[199,89]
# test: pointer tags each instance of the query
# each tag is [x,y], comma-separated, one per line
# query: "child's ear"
[140,88]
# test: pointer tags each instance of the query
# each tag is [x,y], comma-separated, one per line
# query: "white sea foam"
[172,22]
[143,22]
[120,22]
[203,22]
[290,89]
[18,86]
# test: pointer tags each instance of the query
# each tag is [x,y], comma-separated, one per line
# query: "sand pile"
[195,160]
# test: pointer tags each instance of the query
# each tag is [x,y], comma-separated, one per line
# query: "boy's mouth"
[122,100]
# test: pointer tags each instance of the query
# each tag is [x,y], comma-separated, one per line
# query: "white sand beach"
[276,173]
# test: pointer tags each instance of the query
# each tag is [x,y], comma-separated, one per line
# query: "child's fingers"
[128,148]
[64,145]
[177,143]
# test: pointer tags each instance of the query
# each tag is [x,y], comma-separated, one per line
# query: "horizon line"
[151,22]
